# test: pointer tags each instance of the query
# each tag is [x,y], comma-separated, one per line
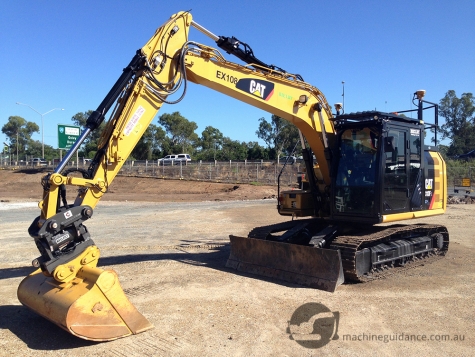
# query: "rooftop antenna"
[343,95]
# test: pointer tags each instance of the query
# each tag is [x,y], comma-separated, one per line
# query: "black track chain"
[369,237]
[349,245]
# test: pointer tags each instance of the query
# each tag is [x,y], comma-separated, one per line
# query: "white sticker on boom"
[134,120]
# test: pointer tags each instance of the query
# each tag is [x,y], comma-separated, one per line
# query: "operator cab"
[379,166]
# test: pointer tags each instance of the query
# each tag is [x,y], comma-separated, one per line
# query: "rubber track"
[349,245]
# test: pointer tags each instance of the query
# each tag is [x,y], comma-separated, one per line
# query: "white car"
[175,159]
[38,162]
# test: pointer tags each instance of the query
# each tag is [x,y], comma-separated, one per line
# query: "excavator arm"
[68,288]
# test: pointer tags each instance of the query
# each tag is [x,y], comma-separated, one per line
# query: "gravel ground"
[171,257]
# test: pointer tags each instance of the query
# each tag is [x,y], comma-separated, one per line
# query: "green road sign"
[67,136]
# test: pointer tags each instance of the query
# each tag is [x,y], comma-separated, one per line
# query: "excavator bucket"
[93,306]
[314,267]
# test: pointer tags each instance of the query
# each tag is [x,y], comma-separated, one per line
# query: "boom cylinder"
[205,31]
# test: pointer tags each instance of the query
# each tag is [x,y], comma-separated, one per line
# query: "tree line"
[176,134]
[459,127]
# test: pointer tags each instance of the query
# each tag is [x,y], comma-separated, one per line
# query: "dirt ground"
[25,185]
[168,241]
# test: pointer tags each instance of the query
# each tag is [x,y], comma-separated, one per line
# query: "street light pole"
[42,132]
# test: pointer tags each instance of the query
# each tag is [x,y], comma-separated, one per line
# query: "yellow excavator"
[362,169]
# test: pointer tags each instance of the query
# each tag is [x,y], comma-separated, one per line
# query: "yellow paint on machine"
[411,215]
[440,183]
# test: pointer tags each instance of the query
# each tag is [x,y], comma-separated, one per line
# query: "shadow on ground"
[35,331]
[40,334]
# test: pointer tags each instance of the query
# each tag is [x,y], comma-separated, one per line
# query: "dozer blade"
[92,306]
[314,267]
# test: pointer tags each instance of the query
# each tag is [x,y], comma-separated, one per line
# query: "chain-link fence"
[460,176]
[262,172]
[32,162]
[256,172]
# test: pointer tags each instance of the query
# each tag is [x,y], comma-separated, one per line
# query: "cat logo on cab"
[256,87]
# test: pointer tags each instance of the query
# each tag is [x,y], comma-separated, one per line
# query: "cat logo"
[256,87]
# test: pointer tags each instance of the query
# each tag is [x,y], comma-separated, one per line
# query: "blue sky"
[67,54]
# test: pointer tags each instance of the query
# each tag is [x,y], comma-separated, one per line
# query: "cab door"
[396,174]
